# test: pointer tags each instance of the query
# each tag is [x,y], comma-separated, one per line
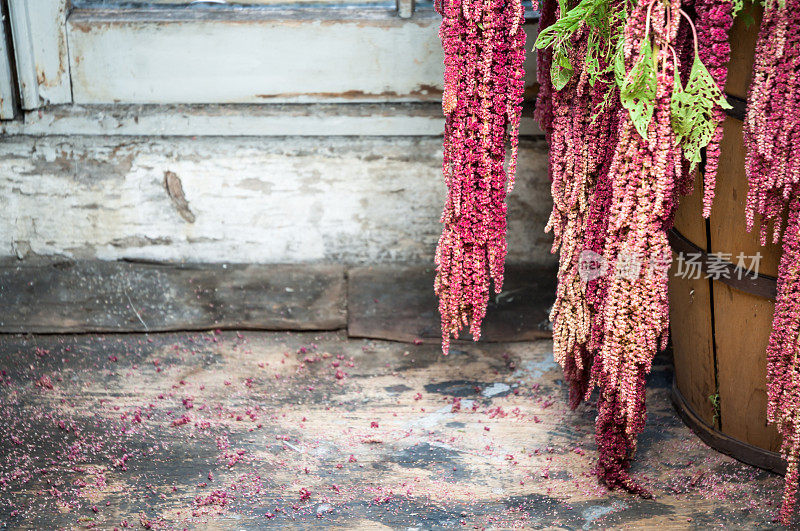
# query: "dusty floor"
[301,430]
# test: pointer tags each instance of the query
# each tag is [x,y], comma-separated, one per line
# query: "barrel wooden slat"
[740,319]
[728,229]
[743,44]
[742,322]
[692,335]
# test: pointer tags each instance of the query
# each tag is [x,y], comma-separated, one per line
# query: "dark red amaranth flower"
[772,164]
[613,445]
[714,21]
[783,370]
[548,14]
[614,195]
[484,48]
[644,174]
[579,112]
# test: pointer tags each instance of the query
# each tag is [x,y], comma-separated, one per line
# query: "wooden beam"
[313,119]
[398,303]
[97,296]
[40,48]
[257,55]
[8,94]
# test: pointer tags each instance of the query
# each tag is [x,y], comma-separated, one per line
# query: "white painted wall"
[357,200]
[184,91]
[257,56]
[40,49]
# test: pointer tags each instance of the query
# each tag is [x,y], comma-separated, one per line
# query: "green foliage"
[692,110]
[714,399]
[619,63]
[604,27]
[558,34]
[638,90]
[560,69]
[744,9]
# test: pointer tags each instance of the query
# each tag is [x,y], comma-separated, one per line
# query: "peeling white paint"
[595,512]
[495,389]
[257,56]
[533,370]
[254,200]
[437,417]
[7,90]
[349,119]
[40,48]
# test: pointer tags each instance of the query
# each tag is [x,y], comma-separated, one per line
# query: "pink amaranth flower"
[714,20]
[484,48]
[772,165]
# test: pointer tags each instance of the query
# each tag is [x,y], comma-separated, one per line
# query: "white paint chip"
[535,369]
[437,417]
[495,389]
[598,511]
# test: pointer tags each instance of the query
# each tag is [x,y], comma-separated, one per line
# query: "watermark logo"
[692,266]
[591,265]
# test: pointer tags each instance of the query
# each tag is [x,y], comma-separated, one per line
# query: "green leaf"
[619,63]
[593,69]
[601,25]
[692,110]
[560,70]
[638,91]
[570,21]
[745,10]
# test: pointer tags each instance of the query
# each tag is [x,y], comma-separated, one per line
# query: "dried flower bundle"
[631,107]
[484,47]
[772,139]
[631,102]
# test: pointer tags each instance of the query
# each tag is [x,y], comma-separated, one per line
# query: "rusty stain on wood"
[423,92]
[338,55]
[42,59]
[175,190]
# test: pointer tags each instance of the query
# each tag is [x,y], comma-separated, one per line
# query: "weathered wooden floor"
[256,429]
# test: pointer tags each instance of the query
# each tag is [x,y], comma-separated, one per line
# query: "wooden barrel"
[721,326]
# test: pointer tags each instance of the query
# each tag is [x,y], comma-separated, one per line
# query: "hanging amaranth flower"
[543,112]
[714,21]
[585,107]
[772,139]
[645,170]
[484,48]
[630,108]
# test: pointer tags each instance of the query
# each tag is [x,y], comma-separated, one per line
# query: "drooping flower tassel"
[548,14]
[772,123]
[577,112]
[783,359]
[714,21]
[484,48]
[636,312]
[772,164]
